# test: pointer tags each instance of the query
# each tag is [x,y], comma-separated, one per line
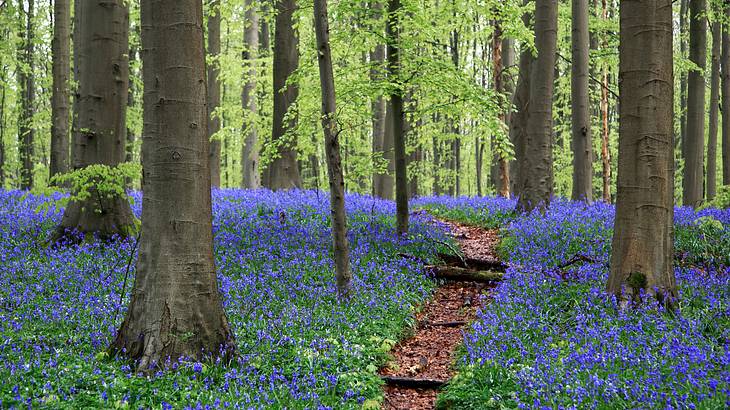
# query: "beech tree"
[283,171]
[725,84]
[250,150]
[693,146]
[214,89]
[714,112]
[100,133]
[641,257]
[60,99]
[26,83]
[175,308]
[580,105]
[536,168]
[332,150]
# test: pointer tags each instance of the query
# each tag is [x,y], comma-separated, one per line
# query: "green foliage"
[480,387]
[704,244]
[721,200]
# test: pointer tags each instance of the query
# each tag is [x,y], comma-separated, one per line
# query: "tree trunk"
[60,97]
[283,170]
[26,81]
[332,150]
[129,151]
[502,169]
[694,144]
[378,106]
[386,182]
[605,152]
[683,8]
[250,152]
[100,137]
[714,108]
[536,173]
[397,118]
[214,90]
[642,241]
[580,106]
[3,98]
[726,102]
[455,128]
[175,310]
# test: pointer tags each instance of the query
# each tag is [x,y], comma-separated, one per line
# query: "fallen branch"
[456,323]
[464,275]
[575,259]
[473,263]
[413,383]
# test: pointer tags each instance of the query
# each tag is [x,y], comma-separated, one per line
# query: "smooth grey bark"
[61,69]
[694,144]
[605,151]
[3,98]
[714,111]
[332,151]
[502,182]
[536,172]
[518,119]
[641,257]
[680,141]
[100,134]
[283,170]
[386,181]
[175,309]
[26,82]
[725,84]
[250,152]
[397,117]
[508,84]
[129,151]
[378,107]
[580,105]
[214,90]
[455,189]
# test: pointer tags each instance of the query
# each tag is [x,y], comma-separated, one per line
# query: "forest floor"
[424,362]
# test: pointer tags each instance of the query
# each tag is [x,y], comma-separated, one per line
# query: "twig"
[126,275]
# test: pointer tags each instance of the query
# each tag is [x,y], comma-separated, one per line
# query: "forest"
[383,204]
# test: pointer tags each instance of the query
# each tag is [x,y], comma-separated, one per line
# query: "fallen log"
[464,275]
[413,383]
[472,263]
[456,323]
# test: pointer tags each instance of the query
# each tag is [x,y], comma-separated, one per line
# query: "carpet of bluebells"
[299,346]
[552,338]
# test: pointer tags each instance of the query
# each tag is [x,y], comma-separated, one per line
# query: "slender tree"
[332,150]
[175,309]
[60,98]
[397,116]
[283,170]
[714,110]
[605,152]
[502,181]
[641,259]
[382,183]
[725,67]
[518,119]
[536,170]
[683,9]
[580,105]
[26,82]
[250,153]
[694,144]
[214,89]
[100,134]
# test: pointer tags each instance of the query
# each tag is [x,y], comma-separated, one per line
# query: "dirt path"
[427,358]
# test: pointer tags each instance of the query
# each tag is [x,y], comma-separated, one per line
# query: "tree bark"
[397,117]
[100,136]
[250,152]
[332,151]
[694,144]
[214,90]
[129,151]
[3,98]
[580,105]
[605,130]
[60,97]
[455,126]
[175,310]
[283,170]
[683,8]
[26,82]
[714,111]
[378,107]
[726,101]
[536,173]
[642,241]
[502,182]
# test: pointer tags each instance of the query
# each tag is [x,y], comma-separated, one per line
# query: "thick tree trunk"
[60,97]
[332,150]
[642,241]
[694,144]
[26,82]
[175,310]
[714,111]
[536,173]
[580,106]
[214,90]
[502,182]
[250,152]
[386,181]
[397,117]
[726,102]
[518,119]
[100,137]
[283,170]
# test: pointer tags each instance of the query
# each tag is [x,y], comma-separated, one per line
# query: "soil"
[431,351]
